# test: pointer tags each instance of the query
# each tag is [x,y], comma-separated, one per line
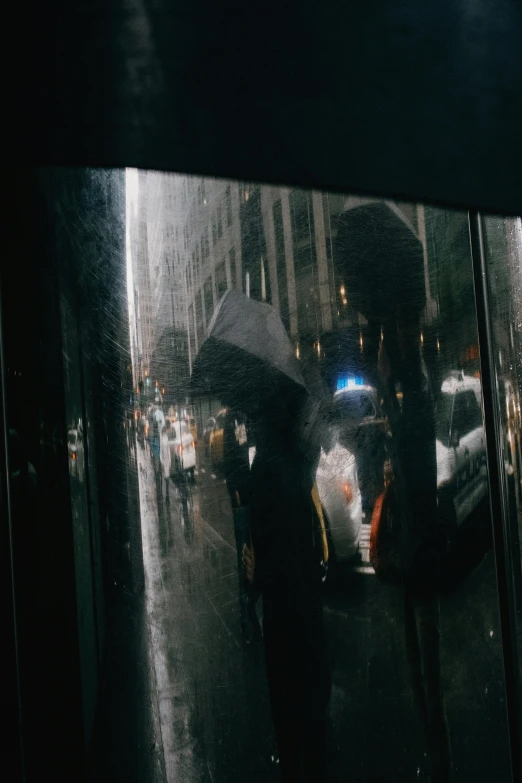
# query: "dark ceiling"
[416,99]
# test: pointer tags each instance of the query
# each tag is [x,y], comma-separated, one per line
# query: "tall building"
[143,336]
[169,361]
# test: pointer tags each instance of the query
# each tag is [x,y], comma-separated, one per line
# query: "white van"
[462,479]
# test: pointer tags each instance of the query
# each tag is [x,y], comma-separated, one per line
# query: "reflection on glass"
[323,490]
[292,380]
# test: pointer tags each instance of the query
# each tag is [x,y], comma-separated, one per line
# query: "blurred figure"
[382,259]
[157,422]
[284,567]
[249,363]
[142,426]
[420,545]
[236,466]
[165,457]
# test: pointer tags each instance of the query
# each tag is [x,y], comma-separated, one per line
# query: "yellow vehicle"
[216,438]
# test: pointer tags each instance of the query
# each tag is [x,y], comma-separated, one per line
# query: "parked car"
[182,449]
[216,439]
[462,480]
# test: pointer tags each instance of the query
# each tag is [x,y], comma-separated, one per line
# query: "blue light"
[349,382]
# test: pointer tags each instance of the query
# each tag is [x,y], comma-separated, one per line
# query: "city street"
[210,688]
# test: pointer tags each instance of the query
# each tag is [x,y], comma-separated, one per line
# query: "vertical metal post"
[497,491]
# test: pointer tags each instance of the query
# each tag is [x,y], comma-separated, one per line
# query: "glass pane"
[276,423]
[358,388]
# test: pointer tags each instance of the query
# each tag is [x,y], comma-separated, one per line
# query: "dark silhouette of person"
[284,567]
[236,466]
[382,258]
[422,548]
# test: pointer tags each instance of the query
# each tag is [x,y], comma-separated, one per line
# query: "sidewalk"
[211,693]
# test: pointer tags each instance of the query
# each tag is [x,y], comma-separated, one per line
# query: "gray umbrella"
[247,355]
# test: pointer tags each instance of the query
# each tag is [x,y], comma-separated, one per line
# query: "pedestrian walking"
[165,457]
[236,466]
[157,422]
[249,363]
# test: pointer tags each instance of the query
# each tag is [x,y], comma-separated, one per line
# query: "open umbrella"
[381,260]
[247,355]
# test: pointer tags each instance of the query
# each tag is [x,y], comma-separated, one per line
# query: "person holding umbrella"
[382,261]
[249,363]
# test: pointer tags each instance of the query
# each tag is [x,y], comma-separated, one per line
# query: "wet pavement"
[211,690]
[207,691]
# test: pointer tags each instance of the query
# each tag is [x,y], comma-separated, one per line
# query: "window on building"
[219,223]
[228,205]
[207,243]
[221,279]
[214,232]
[233,272]
[208,299]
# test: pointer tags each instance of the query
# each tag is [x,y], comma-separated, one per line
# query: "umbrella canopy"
[381,261]
[247,356]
